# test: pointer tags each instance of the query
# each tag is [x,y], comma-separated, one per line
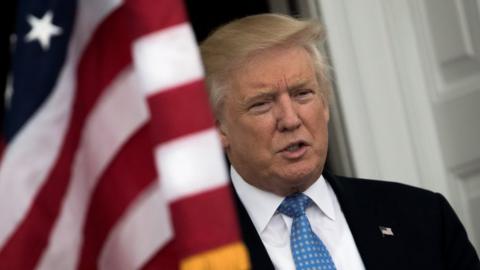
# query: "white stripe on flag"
[167,58]
[139,234]
[41,137]
[106,130]
[191,164]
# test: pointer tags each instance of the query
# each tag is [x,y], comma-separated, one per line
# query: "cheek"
[245,133]
[257,136]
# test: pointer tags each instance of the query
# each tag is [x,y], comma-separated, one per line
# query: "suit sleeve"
[459,252]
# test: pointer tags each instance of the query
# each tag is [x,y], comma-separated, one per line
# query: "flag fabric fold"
[111,157]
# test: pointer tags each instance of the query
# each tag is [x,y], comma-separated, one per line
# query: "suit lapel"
[364,217]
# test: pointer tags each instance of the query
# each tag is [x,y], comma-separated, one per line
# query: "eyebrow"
[265,92]
[300,84]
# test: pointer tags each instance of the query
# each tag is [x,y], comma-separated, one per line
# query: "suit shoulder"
[388,190]
[425,218]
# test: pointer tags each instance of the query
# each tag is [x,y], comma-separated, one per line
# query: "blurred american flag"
[111,159]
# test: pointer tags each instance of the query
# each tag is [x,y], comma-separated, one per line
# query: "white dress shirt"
[325,216]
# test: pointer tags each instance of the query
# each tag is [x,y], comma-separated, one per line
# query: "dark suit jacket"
[427,233]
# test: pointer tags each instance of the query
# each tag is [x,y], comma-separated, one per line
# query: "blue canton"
[308,250]
[36,68]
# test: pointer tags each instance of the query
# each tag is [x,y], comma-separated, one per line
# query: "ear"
[326,112]
[223,134]
[326,108]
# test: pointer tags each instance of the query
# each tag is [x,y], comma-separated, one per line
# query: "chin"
[300,176]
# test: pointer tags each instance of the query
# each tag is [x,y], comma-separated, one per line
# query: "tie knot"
[294,205]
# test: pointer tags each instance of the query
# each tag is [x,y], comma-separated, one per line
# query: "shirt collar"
[262,205]
[323,196]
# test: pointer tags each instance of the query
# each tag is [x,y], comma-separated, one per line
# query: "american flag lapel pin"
[386,231]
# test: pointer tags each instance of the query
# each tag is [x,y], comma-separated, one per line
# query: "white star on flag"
[42,29]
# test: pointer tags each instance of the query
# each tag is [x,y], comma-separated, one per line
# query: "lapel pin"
[386,231]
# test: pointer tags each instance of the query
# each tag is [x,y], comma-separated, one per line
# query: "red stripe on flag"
[166,258]
[180,111]
[128,175]
[106,55]
[196,220]
[209,210]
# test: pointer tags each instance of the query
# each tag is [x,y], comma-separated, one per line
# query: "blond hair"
[231,45]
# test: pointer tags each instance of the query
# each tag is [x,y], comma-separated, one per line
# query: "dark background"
[206,17]
[6,27]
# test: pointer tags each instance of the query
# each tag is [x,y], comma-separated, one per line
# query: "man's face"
[274,122]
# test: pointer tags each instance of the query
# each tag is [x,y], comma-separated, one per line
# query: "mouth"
[294,146]
[294,150]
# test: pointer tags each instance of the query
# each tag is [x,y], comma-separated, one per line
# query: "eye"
[303,94]
[260,106]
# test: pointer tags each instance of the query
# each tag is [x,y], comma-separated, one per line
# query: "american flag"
[111,158]
[386,231]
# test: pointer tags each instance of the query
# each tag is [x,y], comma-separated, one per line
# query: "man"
[269,88]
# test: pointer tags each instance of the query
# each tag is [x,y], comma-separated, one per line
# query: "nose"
[287,115]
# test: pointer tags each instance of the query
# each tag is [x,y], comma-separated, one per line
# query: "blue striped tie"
[308,250]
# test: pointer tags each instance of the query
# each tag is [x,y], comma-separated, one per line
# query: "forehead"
[274,69]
